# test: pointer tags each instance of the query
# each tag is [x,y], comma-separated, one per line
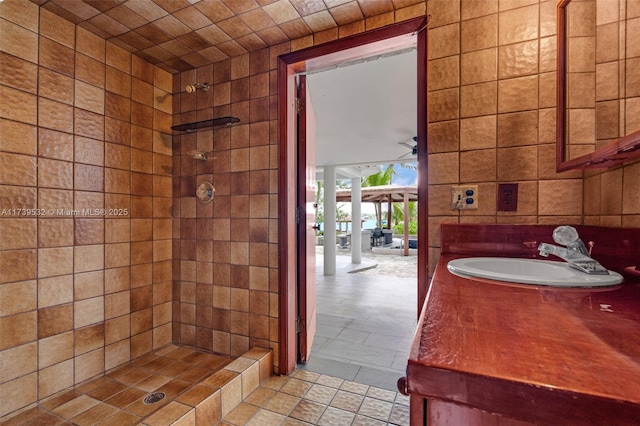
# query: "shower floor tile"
[303,398]
[117,398]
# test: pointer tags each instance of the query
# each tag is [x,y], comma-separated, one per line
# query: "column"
[329,220]
[356,221]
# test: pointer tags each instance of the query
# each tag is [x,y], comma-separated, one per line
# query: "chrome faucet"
[574,253]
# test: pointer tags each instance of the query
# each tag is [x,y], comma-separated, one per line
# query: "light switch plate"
[464,197]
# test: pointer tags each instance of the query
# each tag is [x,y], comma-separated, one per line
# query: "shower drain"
[152,398]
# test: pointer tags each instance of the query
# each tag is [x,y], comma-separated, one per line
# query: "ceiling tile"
[178,35]
[175,47]
[126,17]
[179,65]
[134,39]
[231,48]
[123,45]
[273,36]
[373,8]
[308,7]
[172,5]
[215,10]
[213,34]
[399,4]
[281,11]
[159,53]
[172,26]
[334,3]
[320,21]
[147,57]
[63,13]
[192,17]
[252,42]
[103,5]
[79,9]
[196,60]
[240,6]
[94,29]
[153,33]
[257,19]
[147,9]
[296,28]
[346,13]
[194,41]
[234,27]
[106,23]
[213,54]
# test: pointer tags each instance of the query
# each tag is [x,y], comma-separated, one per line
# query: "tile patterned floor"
[365,320]
[308,398]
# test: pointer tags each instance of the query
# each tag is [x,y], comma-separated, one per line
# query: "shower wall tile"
[18,297]
[57,28]
[55,145]
[55,349]
[17,73]
[71,110]
[19,137]
[219,243]
[56,57]
[19,41]
[90,44]
[18,105]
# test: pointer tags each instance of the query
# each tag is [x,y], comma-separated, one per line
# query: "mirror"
[598,86]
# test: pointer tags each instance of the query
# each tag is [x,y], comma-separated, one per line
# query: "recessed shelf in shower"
[192,127]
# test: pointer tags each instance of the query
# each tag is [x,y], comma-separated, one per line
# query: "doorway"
[387,39]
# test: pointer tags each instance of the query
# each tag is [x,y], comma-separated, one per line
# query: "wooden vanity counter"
[537,355]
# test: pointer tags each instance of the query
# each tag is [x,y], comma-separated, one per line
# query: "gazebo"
[389,194]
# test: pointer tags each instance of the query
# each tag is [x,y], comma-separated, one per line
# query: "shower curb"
[212,399]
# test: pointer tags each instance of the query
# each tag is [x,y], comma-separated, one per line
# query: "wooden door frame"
[386,39]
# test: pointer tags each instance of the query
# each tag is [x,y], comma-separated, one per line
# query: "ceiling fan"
[413,148]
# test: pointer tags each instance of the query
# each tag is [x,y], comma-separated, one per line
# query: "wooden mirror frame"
[613,154]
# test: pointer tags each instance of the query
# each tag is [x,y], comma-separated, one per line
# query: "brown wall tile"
[55,145]
[55,320]
[18,105]
[20,42]
[18,73]
[56,56]
[18,297]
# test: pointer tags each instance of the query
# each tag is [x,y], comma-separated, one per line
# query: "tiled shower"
[86,260]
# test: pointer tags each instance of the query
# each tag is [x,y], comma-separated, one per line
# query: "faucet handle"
[565,235]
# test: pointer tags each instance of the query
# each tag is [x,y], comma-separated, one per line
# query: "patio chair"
[377,237]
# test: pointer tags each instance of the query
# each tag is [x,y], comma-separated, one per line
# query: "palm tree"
[398,214]
[378,179]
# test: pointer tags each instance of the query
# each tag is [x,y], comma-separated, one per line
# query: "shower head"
[195,86]
[200,155]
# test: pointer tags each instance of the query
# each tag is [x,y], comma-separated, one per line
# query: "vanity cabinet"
[492,353]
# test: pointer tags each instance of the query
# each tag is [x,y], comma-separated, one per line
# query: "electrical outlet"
[464,197]
[507,197]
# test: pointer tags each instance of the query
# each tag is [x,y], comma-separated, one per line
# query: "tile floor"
[365,320]
[202,388]
[308,398]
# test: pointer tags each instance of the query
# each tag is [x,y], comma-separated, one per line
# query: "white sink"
[530,271]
